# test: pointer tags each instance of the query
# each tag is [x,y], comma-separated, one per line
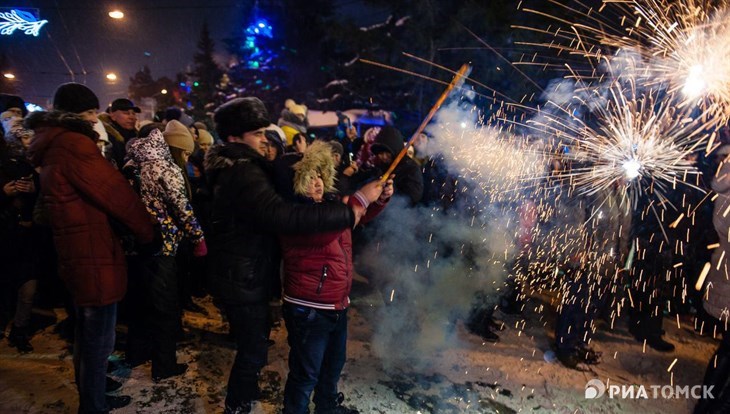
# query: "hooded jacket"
[318,267]
[162,188]
[81,192]
[246,216]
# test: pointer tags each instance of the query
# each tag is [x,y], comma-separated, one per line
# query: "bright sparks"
[634,141]
[632,168]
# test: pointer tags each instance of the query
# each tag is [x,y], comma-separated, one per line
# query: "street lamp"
[111,76]
[164,91]
[9,75]
[116,14]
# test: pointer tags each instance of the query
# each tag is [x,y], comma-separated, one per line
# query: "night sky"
[81,38]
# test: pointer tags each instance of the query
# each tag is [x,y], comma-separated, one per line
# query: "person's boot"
[658,343]
[242,408]
[336,407]
[117,401]
[179,369]
[20,339]
[112,384]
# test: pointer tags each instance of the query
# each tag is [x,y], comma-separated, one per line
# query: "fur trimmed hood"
[317,158]
[48,125]
[66,120]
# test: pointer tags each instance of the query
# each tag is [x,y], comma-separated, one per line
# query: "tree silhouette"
[206,75]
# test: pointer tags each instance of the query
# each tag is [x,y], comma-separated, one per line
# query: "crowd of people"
[137,217]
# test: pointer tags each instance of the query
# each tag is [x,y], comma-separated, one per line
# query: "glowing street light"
[111,76]
[164,91]
[9,75]
[116,14]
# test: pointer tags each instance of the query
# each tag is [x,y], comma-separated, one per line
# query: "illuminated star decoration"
[20,20]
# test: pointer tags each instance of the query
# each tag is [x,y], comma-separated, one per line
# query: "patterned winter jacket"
[161,185]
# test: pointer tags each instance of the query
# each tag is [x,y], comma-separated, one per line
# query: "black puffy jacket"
[246,216]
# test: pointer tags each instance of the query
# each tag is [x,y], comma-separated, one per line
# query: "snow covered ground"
[452,371]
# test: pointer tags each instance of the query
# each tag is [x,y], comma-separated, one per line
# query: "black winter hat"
[388,139]
[12,101]
[173,113]
[240,115]
[75,98]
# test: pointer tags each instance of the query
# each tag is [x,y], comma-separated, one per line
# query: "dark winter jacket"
[81,192]
[318,268]
[246,215]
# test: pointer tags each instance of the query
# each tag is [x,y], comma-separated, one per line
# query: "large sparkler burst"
[637,142]
[683,45]
[689,48]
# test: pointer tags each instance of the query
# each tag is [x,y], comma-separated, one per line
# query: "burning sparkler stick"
[456,82]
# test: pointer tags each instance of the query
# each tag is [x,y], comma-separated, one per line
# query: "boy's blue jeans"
[318,342]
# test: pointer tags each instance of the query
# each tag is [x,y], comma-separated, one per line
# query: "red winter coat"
[81,191]
[318,267]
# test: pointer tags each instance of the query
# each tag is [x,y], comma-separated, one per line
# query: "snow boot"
[20,339]
[337,408]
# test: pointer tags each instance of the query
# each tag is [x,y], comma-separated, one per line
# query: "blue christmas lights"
[20,20]
[260,27]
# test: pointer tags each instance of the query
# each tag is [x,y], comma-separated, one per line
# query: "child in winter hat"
[314,175]
[178,136]
[293,120]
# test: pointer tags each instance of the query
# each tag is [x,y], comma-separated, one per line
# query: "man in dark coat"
[82,192]
[408,179]
[246,215]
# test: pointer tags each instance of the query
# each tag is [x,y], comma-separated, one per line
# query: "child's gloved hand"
[200,249]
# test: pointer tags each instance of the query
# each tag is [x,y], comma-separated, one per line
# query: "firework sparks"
[680,45]
[689,48]
[633,140]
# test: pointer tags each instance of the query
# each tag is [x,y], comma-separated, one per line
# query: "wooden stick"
[460,75]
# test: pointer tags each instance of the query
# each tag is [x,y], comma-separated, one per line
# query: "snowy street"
[456,373]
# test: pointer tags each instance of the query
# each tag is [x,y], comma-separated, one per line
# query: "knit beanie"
[204,137]
[238,116]
[75,98]
[173,113]
[12,101]
[336,148]
[178,135]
